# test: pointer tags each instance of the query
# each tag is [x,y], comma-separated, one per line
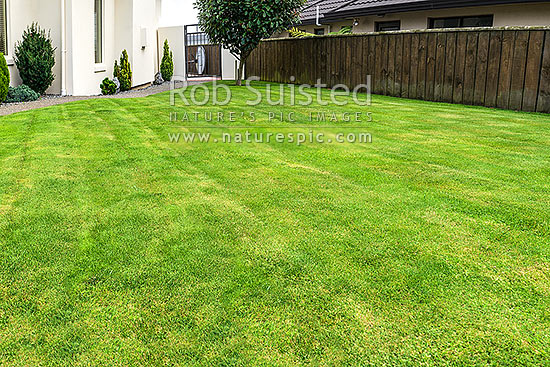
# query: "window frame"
[461,19]
[7,27]
[377,25]
[102,41]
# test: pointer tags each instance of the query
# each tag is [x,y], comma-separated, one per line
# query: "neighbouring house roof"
[333,10]
[325,7]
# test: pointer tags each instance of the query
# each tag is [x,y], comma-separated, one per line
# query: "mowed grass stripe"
[428,246]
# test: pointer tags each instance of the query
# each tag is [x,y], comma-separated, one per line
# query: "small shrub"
[123,72]
[116,70]
[167,64]
[35,58]
[4,78]
[108,87]
[21,93]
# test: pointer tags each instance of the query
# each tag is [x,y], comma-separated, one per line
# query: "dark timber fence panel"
[504,68]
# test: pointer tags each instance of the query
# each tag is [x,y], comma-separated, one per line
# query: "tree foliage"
[35,58]
[167,64]
[240,25]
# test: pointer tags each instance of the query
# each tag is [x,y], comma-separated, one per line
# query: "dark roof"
[332,10]
[325,7]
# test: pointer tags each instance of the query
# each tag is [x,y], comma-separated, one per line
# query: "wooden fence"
[504,68]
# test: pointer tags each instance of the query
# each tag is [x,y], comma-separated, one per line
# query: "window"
[3,28]
[98,31]
[394,25]
[319,31]
[461,22]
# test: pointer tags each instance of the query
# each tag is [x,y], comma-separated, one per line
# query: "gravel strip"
[52,100]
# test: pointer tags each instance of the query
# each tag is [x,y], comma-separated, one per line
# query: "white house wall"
[143,60]
[123,22]
[229,64]
[21,13]
[504,15]
[83,74]
[122,30]
[175,37]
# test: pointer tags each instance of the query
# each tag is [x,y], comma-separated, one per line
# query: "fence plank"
[340,61]
[543,104]
[325,56]
[275,71]
[365,63]
[398,65]
[421,80]
[440,66]
[331,55]
[384,57]
[413,81]
[266,63]
[354,65]
[430,66]
[518,70]
[357,60]
[491,89]
[481,68]
[450,58]
[505,76]
[377,88]
[305,49]
[470,68]
[283,51]
[532,73]
[315,60]
[345,61]
[407,39]
[372,60]
[390,79]
[460,64]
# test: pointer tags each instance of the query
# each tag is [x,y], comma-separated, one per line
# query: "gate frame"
[189,75]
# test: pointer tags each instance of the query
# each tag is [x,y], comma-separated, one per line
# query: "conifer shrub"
[167,64]
[35,58]
[123,72]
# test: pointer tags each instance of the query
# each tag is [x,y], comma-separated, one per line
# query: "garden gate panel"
[202,57]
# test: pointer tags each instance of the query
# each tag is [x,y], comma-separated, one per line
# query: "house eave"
[417,6]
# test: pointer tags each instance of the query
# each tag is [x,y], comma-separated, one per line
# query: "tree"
[240,25]
[35,58]
[167,64]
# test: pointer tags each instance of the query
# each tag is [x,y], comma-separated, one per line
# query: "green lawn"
[429,246]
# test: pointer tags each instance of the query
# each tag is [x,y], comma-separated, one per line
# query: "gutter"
[63,48]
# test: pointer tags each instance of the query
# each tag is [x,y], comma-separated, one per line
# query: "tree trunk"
[242,64]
